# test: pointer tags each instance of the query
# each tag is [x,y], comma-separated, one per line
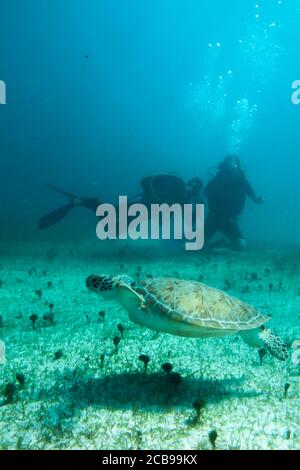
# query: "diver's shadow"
[154,390]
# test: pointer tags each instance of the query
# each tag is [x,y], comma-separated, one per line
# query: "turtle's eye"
[93,282]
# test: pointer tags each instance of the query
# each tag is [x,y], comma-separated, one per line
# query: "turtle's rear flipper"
[264,338]
[55,216]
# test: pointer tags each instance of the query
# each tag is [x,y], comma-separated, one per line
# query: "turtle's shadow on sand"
[150,391]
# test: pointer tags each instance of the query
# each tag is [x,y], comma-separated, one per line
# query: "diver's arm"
[251,193]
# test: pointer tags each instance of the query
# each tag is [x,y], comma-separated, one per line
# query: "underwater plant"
[102,357]
[49,317]
[116,341]
[21,379]
[9,392]
[101,315]
[286,389]
[262,353]
[175,378]
[33,318]
[245,289]
[212,438]
[145,359]
[121,329]
[167,367]
[58,355]
[38,293]
[198,406]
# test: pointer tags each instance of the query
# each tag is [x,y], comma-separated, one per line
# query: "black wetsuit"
[167,189]
[226,197]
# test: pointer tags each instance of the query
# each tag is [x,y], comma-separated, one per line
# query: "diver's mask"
[194,186]
[231,165]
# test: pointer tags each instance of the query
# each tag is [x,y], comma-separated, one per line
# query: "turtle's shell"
[198,305]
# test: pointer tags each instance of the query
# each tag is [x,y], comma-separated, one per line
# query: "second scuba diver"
[226,195]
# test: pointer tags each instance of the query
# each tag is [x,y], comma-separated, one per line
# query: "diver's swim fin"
[55,216]
[58,214]
[61,191]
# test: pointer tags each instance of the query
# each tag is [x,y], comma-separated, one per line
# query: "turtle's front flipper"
[264,338]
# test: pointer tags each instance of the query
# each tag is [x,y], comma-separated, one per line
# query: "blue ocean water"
[99,95]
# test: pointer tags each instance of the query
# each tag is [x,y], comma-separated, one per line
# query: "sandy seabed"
[80,393]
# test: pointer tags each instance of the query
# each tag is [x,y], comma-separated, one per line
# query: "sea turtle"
[188,308]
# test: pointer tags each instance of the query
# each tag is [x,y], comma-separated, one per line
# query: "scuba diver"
[226,195]
[157,189]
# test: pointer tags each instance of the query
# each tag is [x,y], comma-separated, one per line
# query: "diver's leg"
[89,203]
[239,244]
[232,231]
[210,227]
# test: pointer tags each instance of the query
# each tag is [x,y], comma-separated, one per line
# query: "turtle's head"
[106,285]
